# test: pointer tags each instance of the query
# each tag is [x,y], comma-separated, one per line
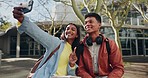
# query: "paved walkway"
[136,67]
[16,67]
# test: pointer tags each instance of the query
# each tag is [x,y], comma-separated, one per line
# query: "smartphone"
[27,7]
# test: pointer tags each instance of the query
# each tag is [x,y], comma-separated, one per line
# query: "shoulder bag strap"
[38,62]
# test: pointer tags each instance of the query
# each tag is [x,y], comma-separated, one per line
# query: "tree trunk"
[117,38]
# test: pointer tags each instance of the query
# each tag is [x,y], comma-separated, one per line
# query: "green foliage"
[81,6]
[4,26]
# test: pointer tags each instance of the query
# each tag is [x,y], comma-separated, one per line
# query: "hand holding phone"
[27,7]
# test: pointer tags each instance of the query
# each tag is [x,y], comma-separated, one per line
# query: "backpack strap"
[108,48]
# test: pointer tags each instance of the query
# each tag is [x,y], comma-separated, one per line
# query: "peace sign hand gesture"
[73,58]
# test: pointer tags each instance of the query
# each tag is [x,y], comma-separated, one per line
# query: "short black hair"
[97,16]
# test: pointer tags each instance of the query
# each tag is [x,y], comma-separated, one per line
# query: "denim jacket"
[50,43]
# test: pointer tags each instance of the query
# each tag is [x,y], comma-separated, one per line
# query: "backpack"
[80,49]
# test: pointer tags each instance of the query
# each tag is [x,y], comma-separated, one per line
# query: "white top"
[94,50]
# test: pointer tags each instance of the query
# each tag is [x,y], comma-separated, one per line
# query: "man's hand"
[17,14]
[73,58]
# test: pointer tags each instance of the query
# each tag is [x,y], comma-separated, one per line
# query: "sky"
[6,10]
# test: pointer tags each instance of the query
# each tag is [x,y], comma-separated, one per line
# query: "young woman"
[62,62]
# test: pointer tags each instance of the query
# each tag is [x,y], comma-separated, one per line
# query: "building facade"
[133,37]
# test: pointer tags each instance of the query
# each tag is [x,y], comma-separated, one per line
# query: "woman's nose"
[69,30]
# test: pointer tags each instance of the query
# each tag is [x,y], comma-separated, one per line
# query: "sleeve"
[116,61]
[81,71]
[71,70]
[38,34]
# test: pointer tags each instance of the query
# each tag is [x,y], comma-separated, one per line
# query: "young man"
[94,61]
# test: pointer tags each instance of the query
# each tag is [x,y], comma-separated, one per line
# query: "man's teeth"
[87,28]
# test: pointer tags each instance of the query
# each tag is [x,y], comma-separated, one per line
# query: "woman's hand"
[17,14]
[73,58]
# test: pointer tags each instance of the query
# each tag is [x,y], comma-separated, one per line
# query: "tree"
[42,8]
[51,24]
[4,18]
[141,6]
[4,25]
[116,11]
